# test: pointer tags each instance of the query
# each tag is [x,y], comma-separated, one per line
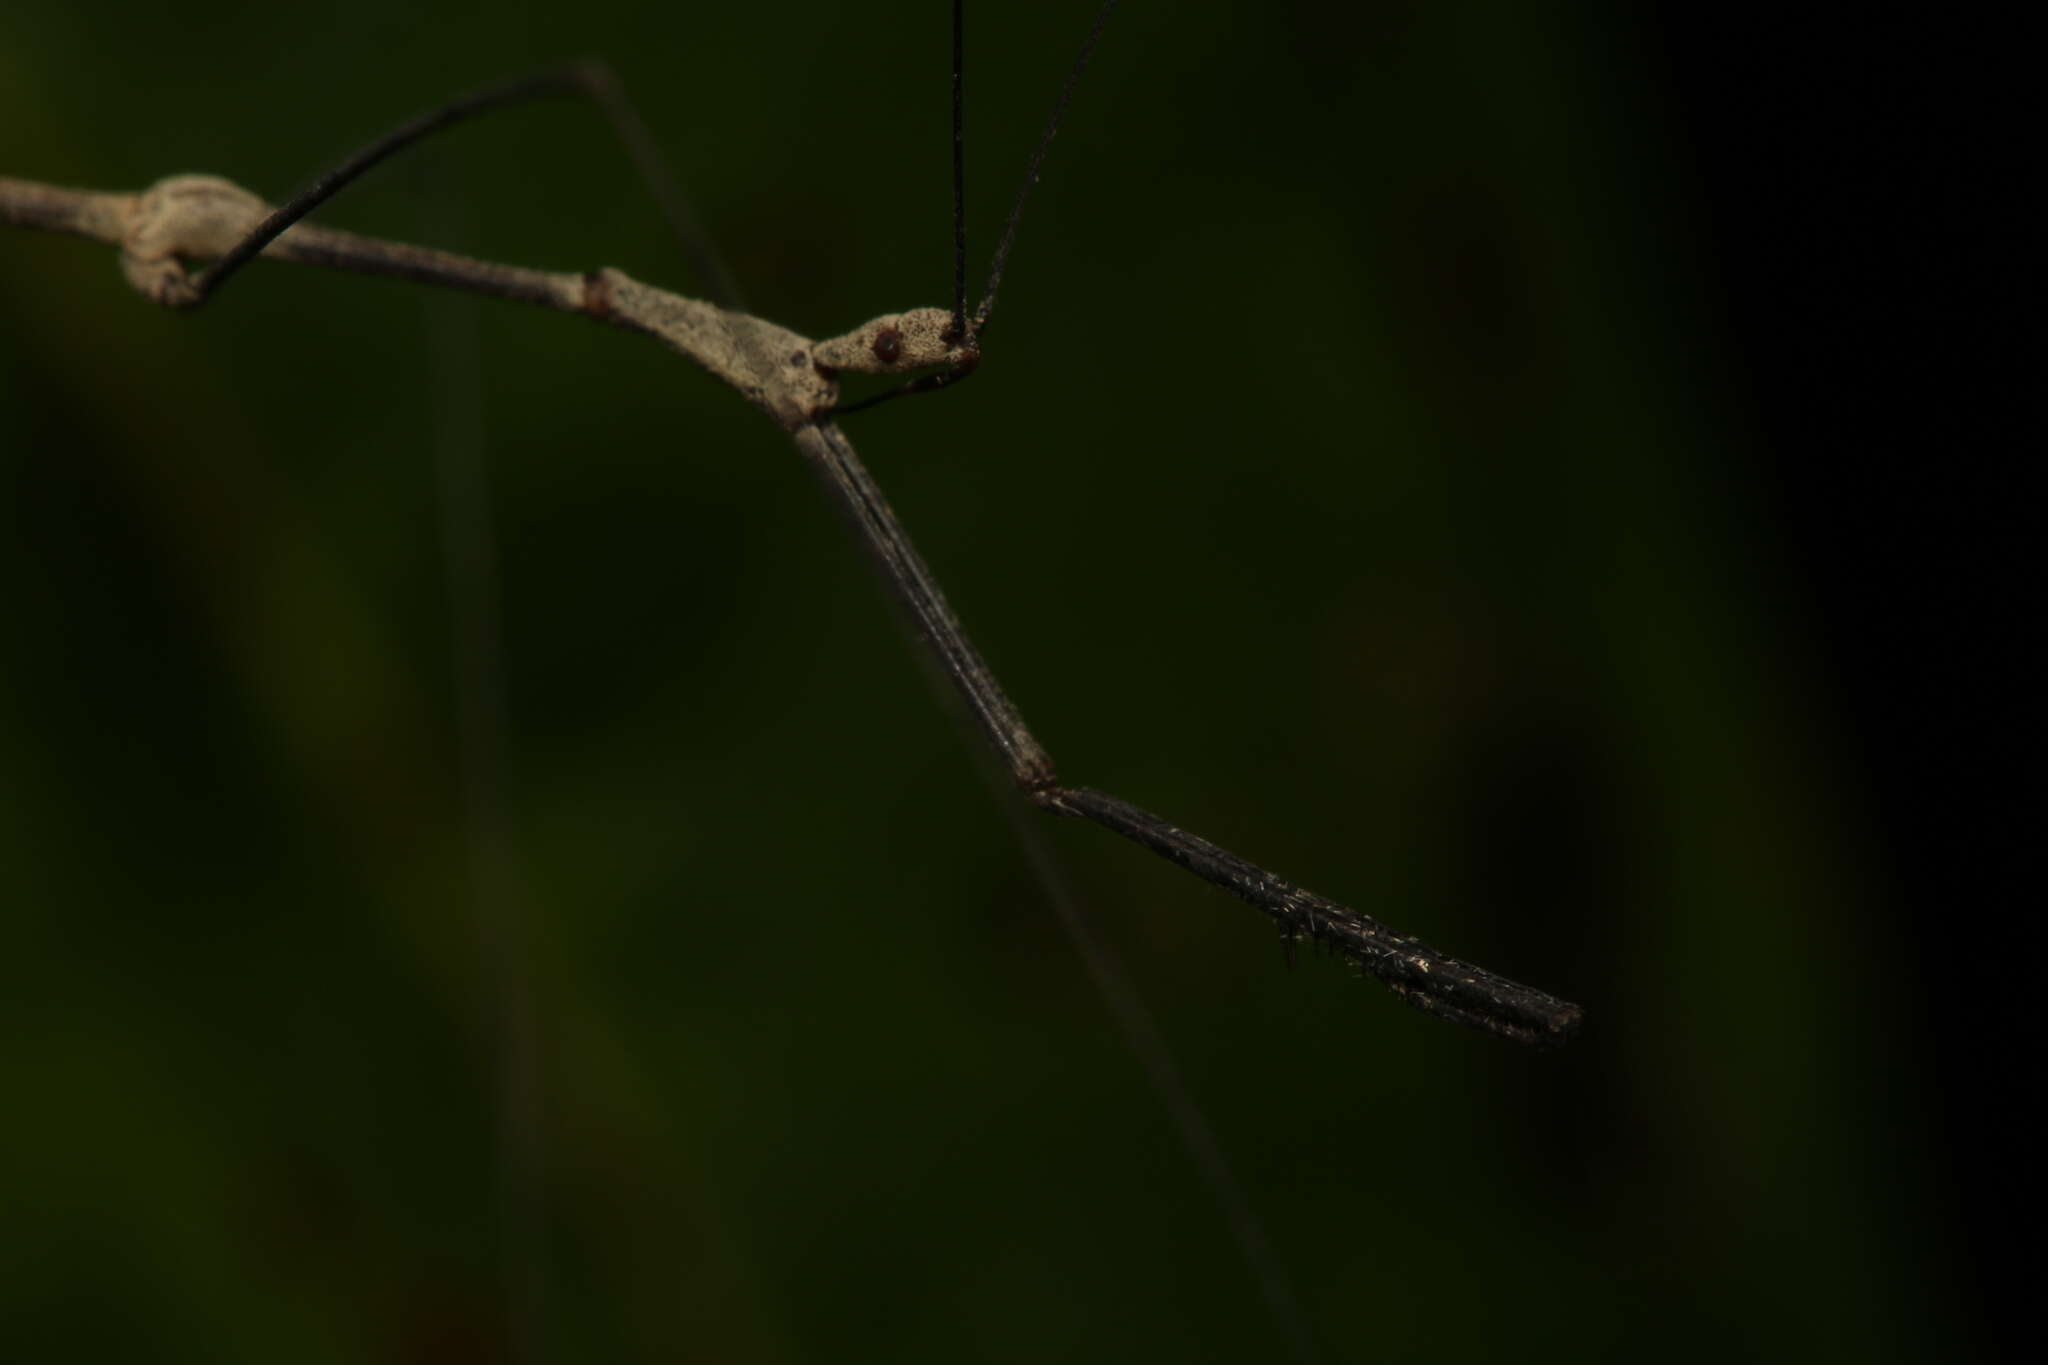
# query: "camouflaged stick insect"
[162,231]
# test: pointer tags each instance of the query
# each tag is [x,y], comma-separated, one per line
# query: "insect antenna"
[959,180]
[1032,169]
[965,330]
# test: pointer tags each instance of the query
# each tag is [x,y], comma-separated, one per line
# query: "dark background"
[1521,471]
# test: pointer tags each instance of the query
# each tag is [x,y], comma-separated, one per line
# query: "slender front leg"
[1426,978]
[1432,981]
[904,571]
[590,79]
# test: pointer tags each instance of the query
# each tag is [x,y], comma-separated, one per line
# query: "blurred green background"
[1354,477]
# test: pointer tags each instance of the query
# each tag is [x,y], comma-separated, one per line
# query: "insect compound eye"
[887,345]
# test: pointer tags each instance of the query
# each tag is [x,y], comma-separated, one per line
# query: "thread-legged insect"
[1139,335]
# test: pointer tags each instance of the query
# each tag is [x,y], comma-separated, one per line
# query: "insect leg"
[591,79]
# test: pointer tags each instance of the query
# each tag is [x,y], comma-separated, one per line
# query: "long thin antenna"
[959,179]
[1052,128]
